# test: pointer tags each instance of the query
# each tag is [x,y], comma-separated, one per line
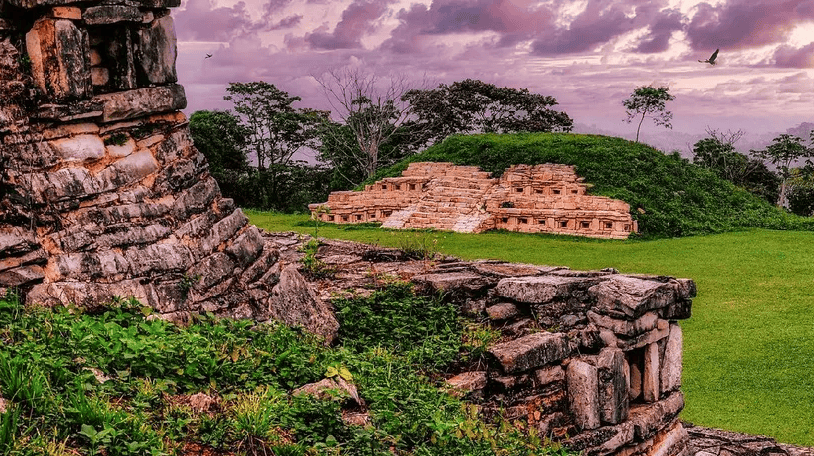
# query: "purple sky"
[588,54]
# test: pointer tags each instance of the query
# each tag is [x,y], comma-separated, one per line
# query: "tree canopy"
[649,101]
[221,137]
[472,106]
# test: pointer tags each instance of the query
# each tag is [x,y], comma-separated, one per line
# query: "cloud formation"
[589,54]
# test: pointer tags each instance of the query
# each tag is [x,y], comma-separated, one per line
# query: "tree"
[475,106]
[371,110]
[801,191]
[221,138]
[276,129]
[782,152]
[717,153]
[649,101]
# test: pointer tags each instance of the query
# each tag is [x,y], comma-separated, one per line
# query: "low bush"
[116,381]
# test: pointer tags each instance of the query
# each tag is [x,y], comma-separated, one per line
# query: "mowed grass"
[749,346]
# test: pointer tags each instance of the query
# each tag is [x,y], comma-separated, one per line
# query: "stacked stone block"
[591,359]
[533,199]
[102,193]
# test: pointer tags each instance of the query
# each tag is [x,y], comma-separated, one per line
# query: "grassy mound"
[669,196]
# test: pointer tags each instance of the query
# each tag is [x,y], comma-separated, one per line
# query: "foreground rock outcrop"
[592,359]
[102,193]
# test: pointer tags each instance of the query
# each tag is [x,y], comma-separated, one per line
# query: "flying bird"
[207,56]
[711,59]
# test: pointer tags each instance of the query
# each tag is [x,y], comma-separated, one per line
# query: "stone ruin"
[531,199]
[592,359]
[102,193]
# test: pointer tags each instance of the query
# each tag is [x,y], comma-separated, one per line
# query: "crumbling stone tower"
[102,192]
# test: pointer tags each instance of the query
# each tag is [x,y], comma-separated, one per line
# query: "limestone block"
[195,199]
[121,151]
[531,351]
[633,296]
[627,328]
[636,379]
[650,383]
[95,57]
[247,247]
[548,375]
[88,294]
[176,145]
[538,289]
[157,51]
[672,363]
[158,258]
[83,266]
[613,388]
[179,175]
[58,185]
[502,311]
[468,382]
[211,270]
[294,303]
[223,230]
[110,14]
[127,236]
[127,170]
[79,148]
[21,276]
[76,237]
[142,102]
[60,60]
[34,256]
[583,394]
[66,12]
[448,281]
[648,419]
[261,266]
[603,441]
[647,338]
[14,240]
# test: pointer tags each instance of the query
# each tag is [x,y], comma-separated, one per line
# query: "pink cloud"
[357,21]
[791,57]
[739,24]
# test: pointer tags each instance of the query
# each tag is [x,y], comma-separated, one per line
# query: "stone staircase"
[453,200]
[398,219]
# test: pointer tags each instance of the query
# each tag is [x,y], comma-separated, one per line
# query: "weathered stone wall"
[102,193]
[531,199]
[592,359]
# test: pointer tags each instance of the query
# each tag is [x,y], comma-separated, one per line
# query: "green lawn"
[749,346]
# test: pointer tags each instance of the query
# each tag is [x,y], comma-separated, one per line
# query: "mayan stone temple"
[531,199]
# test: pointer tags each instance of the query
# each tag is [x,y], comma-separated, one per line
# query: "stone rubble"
[532,199]
[552,367]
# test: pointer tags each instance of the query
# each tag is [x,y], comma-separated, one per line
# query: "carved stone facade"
[531,199]
[102,193]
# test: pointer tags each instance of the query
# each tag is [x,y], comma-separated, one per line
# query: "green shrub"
[425,330]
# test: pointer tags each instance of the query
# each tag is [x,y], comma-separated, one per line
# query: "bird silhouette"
[207,56]
[711,59]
